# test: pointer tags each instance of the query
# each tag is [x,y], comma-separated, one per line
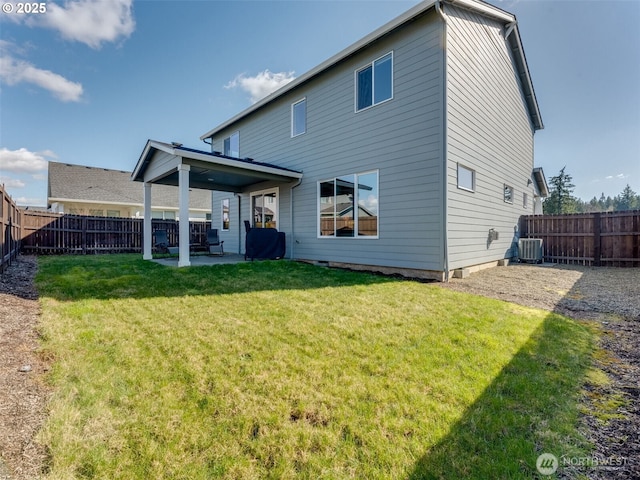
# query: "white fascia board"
[529,84]
[474,5]
[388,27]
[96,202]
[236,163]
[484,8]
[182,154]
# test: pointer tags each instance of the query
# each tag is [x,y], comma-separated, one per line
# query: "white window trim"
[275,190]
[237,132]
[513,192]
[222,229]
[473,178]
[355,83]
[355,237]
[293,135]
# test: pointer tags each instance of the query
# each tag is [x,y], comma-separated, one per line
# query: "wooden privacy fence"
[10,221]
[609,239]
[54,233]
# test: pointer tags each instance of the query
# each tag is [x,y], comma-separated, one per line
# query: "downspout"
[293,236]
[445,221]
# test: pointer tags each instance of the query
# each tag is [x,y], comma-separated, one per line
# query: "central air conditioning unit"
[530,250]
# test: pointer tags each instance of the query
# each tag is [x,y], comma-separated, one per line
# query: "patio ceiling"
[160,162]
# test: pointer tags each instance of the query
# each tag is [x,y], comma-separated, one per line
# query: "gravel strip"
[608,296]
[23,395]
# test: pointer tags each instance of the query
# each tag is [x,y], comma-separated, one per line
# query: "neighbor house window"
[466,178]
[113,213]
[95,212]
[299,118]
[525,200]
[508,193]
[232,145]
[374,82]
[225,214]
[348,206]
[163,215]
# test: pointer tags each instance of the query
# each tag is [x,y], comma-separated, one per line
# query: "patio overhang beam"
[209,171]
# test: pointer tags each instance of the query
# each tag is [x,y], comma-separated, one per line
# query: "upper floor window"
[374,82]
[299,117]
[232,145]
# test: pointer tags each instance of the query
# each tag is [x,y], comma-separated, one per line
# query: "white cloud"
[31,201]
[620,176]
[12,182]
[14,71]
[262,84]
[371,203]
[24,161]
[92,22]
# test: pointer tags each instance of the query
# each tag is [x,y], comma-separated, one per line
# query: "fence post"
[597,250]
[84,235]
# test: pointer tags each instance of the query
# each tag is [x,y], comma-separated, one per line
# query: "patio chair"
[162,243]
[213,241]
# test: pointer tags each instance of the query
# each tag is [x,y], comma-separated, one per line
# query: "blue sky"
[89,81]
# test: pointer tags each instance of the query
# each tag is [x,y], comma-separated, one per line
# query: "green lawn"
[286,370]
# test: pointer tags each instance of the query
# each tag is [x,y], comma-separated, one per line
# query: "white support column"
[183,185]
[146,226]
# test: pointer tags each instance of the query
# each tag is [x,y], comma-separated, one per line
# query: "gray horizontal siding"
[488,130]
[401,138]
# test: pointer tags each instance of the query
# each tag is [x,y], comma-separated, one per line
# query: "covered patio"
[173,164]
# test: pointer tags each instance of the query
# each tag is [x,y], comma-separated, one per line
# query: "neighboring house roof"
[344,209]
[512,33]
[79,183]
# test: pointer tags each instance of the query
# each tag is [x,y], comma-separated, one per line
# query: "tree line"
[561,200]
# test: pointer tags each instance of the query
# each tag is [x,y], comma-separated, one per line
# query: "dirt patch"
[611,298]
[23,395]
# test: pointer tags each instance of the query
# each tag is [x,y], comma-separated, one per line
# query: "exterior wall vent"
[530,250]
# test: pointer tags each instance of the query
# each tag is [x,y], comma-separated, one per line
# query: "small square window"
[508,193]
[466,178]
[299,118]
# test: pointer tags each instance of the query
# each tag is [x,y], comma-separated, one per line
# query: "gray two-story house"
[411,151]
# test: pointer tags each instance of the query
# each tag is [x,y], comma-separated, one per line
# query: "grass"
[285,370]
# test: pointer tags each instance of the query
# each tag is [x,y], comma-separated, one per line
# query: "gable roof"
[85,184]
[482,8]
[208,170]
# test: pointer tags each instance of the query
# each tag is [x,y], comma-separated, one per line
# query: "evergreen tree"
[627,200]
[560,199]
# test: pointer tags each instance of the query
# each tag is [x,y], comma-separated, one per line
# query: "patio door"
[264,208]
